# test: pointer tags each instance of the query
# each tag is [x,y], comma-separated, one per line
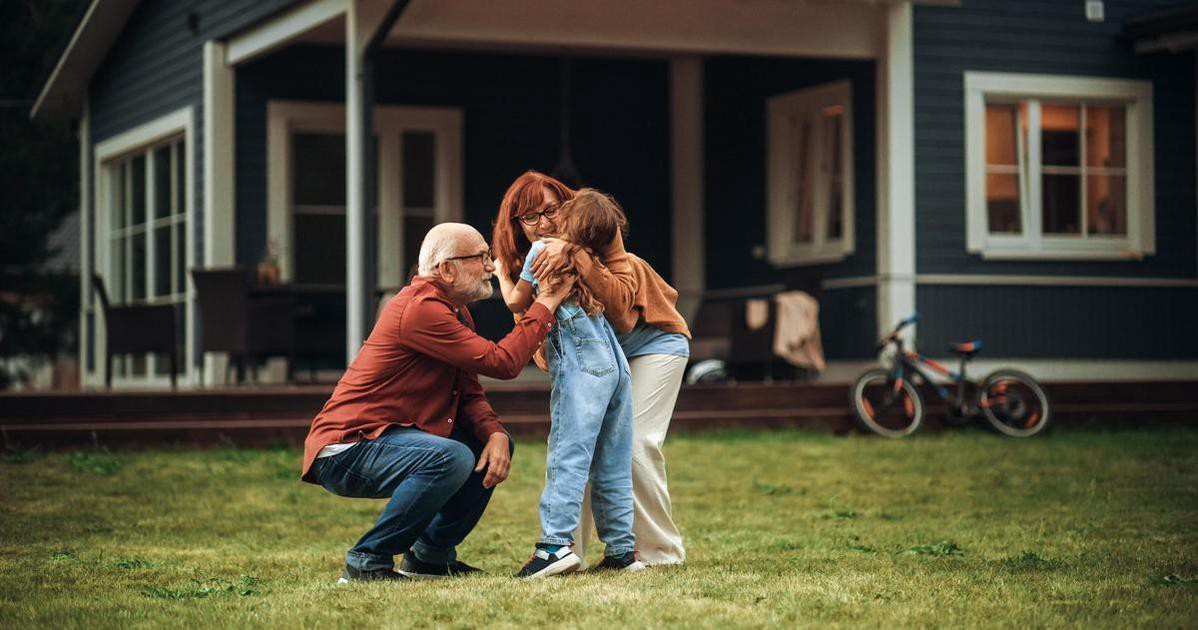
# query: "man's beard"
[480,290]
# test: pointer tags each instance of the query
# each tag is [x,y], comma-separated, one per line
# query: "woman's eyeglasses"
[533,218]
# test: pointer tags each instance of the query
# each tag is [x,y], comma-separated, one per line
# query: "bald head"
[447,240]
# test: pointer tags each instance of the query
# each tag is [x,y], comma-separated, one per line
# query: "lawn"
[783,529]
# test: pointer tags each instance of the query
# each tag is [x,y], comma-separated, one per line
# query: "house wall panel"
[1061,322]
[1043,37]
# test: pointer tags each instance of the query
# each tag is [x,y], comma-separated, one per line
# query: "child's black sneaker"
[550,560]
[624,562]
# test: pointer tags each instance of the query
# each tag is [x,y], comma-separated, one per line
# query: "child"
[590,408]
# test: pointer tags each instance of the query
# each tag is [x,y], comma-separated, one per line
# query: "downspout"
[369,161]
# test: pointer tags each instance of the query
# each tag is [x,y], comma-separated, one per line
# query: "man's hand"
[496,458]
[555,289]
[552,260]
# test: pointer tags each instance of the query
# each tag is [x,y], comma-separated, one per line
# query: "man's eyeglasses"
[483,257]
[533,218]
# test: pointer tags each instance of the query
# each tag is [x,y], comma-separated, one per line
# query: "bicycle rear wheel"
[1014,403]
[882,405]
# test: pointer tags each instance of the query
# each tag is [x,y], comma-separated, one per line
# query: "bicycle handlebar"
[911,319]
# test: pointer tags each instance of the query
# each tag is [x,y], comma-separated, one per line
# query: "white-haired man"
[409,421]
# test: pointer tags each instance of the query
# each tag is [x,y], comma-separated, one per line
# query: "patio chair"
[136,329]
[248,327]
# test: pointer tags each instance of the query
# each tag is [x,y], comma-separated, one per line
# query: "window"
[810,186]
[147,237]
[419,165]
[1058,167]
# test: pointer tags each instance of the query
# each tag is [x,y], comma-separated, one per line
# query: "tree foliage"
[39,176]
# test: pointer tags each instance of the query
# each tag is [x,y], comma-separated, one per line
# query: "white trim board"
[1014,280]
[1046,370]
[137,138]
[279,30]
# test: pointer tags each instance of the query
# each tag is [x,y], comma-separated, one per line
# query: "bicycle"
[888,400]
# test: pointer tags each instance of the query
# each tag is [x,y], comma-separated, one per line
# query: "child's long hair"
[591,220]
[525,194]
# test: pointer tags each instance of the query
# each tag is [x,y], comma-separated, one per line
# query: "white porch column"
[362,19]
[219,189]
[896,170]
[686,178]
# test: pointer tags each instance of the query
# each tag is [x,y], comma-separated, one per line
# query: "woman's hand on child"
[553,260]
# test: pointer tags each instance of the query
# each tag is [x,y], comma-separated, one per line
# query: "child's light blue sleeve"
[526,273]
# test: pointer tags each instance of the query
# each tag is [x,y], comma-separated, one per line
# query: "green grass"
[783,529]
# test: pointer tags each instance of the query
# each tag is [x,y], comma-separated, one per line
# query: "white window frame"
[179,125]
[783,249]
[1032,244]
[390,122]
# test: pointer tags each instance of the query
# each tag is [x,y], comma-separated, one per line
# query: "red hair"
[525,195]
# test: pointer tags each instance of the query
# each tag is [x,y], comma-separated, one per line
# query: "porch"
[669,114]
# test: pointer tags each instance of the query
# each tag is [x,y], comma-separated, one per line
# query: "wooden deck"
[283,414]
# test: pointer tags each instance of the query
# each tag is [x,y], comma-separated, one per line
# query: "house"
[1017,170]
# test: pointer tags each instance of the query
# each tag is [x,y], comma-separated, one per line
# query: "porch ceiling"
[801,28]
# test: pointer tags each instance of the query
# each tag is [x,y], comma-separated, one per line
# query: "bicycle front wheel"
[1014,403]
[891,408]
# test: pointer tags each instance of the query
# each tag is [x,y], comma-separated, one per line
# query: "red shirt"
[420,367]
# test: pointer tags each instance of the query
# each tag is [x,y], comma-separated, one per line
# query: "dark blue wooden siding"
[847,322]
[1043,37]
[735,94]
[156,67]
[510,124]
[1061,322]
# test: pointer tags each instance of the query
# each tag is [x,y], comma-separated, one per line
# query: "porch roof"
[673,25]
[1174,29]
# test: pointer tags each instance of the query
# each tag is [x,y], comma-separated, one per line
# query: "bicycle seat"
[968,348]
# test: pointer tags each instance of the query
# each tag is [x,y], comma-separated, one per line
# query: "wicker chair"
[137,329]
[248,327]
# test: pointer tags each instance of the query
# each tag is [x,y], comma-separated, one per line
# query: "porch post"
[686,158]
[219,174]
[896,172]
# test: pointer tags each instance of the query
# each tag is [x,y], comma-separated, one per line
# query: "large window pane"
[180,177]
[1061,198]
[1001,143]
[1106,137]
[162,260]
[320,249]
[1002,203]
[319,177]
[181,256]
[137,265]
[833,156]
[801,198]
[1106,204]
[1060,140]
[138,193]
[162,182]
[419,162]
[117,209]
[115,282]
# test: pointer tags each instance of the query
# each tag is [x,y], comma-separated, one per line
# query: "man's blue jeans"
[436,497]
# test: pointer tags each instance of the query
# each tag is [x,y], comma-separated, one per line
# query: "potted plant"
[268,266]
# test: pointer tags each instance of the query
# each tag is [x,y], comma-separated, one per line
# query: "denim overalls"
[591,432]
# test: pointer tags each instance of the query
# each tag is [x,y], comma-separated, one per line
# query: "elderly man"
[409,421]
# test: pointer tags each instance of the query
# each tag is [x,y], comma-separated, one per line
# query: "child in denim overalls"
[590,409]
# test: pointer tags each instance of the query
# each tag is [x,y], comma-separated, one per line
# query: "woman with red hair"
[641,307]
